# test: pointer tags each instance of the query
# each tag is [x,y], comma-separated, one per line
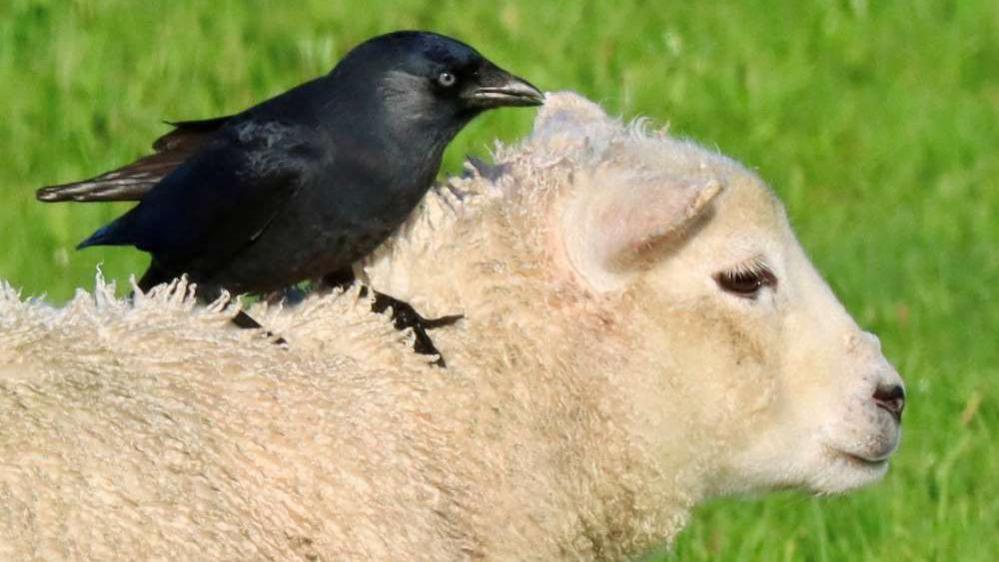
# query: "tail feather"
[109,235]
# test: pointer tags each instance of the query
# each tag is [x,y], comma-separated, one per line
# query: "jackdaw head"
[427,77]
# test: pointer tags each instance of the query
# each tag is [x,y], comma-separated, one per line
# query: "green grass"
[877,122]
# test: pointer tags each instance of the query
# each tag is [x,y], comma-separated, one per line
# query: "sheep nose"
[891,398]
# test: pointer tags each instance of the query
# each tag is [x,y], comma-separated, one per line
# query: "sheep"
[641,332]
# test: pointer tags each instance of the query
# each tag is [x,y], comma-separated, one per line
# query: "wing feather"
[132,182]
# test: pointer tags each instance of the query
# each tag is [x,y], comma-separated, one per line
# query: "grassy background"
[877,122]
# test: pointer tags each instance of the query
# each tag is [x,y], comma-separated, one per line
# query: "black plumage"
[306,183]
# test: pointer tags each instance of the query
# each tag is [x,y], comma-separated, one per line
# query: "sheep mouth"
[862,461]
[865,462]
[872,451]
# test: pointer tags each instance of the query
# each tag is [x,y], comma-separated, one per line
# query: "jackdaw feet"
[244,321]
[403,316]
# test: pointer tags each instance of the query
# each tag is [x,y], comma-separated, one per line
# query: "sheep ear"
[615,222]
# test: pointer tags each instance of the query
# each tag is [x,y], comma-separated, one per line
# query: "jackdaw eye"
[746,283]
[446,79]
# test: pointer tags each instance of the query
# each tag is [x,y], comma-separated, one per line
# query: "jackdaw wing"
[222,198]
[132,182]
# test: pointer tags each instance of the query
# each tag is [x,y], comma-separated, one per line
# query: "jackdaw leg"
[244,321]
[156,275]
[403,315]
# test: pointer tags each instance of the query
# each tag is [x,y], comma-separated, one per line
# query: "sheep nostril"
[892,399]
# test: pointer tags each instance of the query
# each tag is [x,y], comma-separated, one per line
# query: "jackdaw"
[304,184]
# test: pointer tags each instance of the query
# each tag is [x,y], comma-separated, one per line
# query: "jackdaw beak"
[496,87]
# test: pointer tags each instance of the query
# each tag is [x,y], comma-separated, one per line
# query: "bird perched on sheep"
[643,333]
[302,185]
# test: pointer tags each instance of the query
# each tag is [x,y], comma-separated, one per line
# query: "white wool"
[600,386]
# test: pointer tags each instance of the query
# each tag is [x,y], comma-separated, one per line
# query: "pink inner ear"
[629,219]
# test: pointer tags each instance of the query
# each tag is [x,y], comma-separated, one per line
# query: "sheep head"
[604,250]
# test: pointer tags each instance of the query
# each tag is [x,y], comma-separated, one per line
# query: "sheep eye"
[746,283]
[446,79]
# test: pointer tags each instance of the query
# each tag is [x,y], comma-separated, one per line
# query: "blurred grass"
[877,122]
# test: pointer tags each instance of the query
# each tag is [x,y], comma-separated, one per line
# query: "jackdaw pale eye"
[446,79]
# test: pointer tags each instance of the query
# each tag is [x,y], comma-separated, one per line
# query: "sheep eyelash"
[755,266]
[747,279]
